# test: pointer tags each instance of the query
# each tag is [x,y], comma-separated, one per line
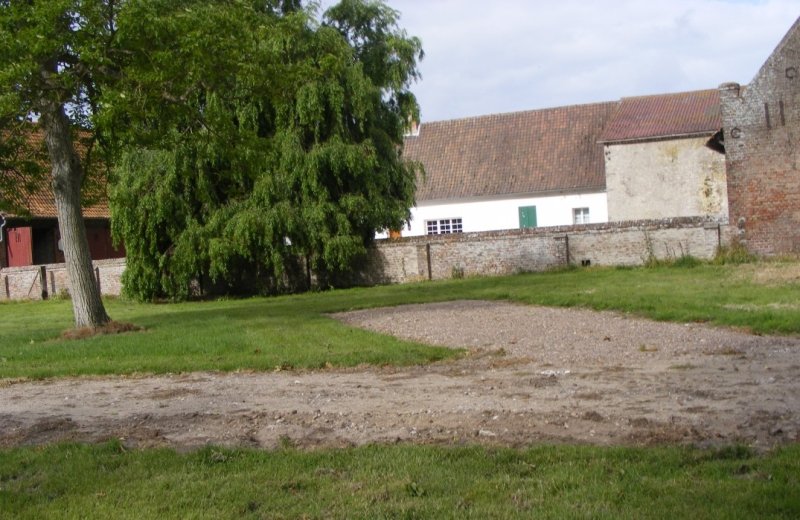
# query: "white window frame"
[444,226]
[580,216]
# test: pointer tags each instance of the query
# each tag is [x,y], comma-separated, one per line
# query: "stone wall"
[465,254]
[762,146]
[676,177]
[21,283]
[529,250]
[635,242]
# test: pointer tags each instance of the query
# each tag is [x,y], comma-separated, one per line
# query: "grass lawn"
[294,331]
[107,481]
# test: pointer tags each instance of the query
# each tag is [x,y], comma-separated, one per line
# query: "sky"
[493,56]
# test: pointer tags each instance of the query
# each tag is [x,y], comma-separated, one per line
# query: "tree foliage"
[60,51]
[54,58]
[255,141]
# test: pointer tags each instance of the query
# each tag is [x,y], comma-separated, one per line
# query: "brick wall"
[762,144]
[21,283]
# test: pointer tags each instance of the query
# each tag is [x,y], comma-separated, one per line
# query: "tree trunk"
[67,175]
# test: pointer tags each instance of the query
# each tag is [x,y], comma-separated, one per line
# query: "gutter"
[590,190]
[656,138]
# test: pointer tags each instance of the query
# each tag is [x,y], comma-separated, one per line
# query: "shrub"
[734,253]
[687,261]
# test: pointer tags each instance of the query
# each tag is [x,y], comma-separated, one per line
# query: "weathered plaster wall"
[762,144]
[663,179]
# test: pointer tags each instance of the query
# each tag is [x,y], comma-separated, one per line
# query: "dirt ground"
[532,375]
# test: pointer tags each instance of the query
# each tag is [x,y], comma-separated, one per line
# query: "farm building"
[35,240]
[638,158]
[31,237]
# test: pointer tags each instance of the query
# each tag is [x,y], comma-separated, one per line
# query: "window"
[444,226]
[580,215]
[527,217]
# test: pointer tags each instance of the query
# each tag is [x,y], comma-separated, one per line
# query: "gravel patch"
[530,374]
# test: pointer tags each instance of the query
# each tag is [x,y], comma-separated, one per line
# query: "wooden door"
[20,247]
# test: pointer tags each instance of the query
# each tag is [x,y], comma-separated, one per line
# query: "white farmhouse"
[639,158]
[507,171]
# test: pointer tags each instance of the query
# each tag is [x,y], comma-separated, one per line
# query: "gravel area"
[530,374]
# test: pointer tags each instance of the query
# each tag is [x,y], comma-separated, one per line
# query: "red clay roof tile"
[41,203]
[531,152]
[665,115]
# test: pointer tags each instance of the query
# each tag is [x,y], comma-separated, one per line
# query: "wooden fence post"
[43,280]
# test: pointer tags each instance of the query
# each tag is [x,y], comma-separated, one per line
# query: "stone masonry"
[440,257]
[469,254]
[762,146]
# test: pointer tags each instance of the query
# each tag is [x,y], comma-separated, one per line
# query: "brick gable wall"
[762,143]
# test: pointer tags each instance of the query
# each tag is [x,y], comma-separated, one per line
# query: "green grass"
[107,481]
[294,331]
[257,334]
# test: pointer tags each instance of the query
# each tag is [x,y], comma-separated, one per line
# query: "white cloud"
[508,55]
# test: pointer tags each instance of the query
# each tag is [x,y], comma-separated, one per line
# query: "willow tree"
[256,139]
[53,54]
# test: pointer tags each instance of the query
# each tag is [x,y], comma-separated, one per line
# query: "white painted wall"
[495,215]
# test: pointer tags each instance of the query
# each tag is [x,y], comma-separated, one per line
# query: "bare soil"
[531,375]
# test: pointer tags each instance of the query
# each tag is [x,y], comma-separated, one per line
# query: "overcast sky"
[490,56]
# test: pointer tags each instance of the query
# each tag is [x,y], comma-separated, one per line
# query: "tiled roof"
[530,152]
[40,201]
[42,204]
[665,115]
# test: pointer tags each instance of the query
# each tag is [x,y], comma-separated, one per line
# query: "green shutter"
[527,217]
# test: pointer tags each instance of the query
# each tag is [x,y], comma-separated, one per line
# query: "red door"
[20,250]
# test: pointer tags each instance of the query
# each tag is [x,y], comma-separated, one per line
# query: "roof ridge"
[668,94]
[520,112]
[575,105]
